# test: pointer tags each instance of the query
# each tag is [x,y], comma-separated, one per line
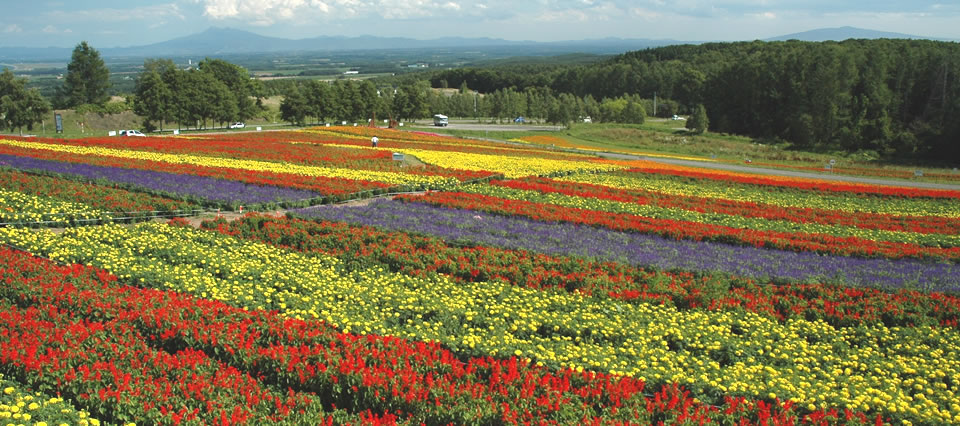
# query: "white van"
[440,120]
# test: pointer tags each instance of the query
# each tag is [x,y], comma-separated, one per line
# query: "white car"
[131,133]
[238,125]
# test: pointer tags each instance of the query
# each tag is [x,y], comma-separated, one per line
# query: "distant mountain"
[843,33]
[221,41]
[225,41]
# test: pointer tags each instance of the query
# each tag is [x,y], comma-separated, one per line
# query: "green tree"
[633,112]
[698,121]
[319,97]
[411,101]
[87,79]
[244,91]
[20,107]
[153,99]
[562,111]
[294,107]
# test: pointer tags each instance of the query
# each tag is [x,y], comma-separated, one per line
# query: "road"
[489,127]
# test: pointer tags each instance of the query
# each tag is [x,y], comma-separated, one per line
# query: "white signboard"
[112,133]
[176,132]
[259,128]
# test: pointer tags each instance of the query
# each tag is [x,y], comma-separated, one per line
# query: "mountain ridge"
[219,41]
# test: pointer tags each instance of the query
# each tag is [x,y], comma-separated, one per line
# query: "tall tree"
[293,107]
[698,121]
[87,79]
[153,99]
[237,80]
[20,107]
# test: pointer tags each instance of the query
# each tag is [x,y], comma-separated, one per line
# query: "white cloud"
[12,28]
[50,29]
[268,12]
[154,12]
[645,13]
[764,15]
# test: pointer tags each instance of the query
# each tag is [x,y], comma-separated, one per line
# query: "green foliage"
[87,79]
[153,98]
[294,107]
[899,98]
[104,109]
[698,121]
[19,107]
[219,91]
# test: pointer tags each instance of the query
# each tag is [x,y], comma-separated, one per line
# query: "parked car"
[238,125]
[131,133]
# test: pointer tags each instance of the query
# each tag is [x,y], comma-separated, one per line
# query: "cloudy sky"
[117,23]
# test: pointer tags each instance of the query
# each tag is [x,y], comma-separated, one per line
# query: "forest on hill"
[896,98]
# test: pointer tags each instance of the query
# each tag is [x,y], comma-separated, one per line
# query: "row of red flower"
[127,353]
[416,255]
[866,220]
[799,183]
[796,241]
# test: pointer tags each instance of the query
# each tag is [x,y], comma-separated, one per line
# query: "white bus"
[440,120]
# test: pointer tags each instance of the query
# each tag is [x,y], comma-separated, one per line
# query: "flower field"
[519,285]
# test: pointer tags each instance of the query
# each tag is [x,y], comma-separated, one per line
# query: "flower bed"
[417,255]
[780,196]
[461,226]
[714,354]
[712,212]
[210,191]
[858,218]
[329,376]
[680,229]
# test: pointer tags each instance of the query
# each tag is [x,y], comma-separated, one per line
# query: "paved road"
[491,127]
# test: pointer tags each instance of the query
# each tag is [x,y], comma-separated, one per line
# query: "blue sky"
[116,23]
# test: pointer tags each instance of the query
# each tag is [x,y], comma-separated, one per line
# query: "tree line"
[348,100]
[216,92]
[896,98]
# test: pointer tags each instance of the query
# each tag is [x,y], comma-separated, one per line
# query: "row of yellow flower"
[541,140]
[733,221]
[253,165]
[20,208]
[775,196]
[907,373]
[509,166]
[38,409]
[445,141]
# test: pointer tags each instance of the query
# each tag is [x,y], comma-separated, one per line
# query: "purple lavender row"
[206,188]
[467,226]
